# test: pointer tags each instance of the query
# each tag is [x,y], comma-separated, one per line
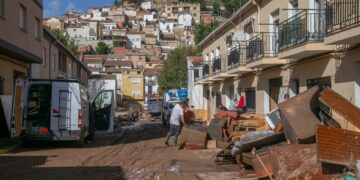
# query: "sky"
[59,7]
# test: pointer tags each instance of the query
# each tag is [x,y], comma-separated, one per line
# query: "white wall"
[166,26]
[185,20]
[135,40]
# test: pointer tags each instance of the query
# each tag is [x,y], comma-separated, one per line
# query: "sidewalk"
[7,145]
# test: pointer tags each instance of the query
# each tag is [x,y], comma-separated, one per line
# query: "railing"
[206,69]
[150,82]
[216,65]
[233,59]
[308,25]
[196,73]
[262,45]
[341,14]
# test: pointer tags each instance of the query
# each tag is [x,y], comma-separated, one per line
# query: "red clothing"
[188,115]
[241,103]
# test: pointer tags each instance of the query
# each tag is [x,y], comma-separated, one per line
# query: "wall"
[11,32]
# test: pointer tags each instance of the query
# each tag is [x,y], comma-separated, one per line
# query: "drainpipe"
[258,14]
[50,56]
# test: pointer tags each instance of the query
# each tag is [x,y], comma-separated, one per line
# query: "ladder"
[64,120]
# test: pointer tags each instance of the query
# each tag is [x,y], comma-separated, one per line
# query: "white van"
[58,110]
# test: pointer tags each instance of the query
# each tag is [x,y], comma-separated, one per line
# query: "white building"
[166,26]
[86,32]
[147,5]
[195,91]
[135,39]
[185,20]
[109,25]
[149,17]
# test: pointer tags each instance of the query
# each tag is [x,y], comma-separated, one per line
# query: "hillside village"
[138,40]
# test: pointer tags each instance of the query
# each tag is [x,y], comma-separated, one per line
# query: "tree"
[119,43]
[174,73]
[216,9]
[202,30]
[65,39]
[102,48]
[232,6]
[201,2]
[117,3]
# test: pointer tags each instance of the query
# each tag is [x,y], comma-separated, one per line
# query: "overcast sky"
[58,7]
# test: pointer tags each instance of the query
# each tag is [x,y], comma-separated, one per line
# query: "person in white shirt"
[177,115]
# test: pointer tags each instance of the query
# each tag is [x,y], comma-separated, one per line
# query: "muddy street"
[135,151]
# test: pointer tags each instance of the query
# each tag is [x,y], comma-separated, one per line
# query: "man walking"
[177,114]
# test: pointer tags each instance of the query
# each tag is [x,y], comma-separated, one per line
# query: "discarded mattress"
[251,136]
[298,118]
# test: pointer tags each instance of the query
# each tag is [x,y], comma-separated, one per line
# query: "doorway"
[250,99]
[274,91]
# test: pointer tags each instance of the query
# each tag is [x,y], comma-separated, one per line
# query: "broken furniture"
[299,118]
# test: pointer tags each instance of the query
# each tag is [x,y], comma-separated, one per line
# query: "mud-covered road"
[132,152]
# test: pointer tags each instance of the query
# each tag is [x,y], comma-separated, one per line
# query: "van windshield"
[38,107]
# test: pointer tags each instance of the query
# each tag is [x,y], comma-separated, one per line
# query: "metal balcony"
[342,21]
[306,26]
[302,35]
[216,65]
[262,51]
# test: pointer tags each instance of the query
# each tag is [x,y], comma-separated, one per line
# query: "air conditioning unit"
[238,36]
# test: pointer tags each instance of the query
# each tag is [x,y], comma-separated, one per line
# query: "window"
[54,62]
[135,81]
[44,56]
[2,8]
[194,8]
[1,85]
[136,93]
[22,17]
[37,28]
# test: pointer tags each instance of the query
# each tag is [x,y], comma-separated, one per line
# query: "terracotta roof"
[151,71]
[196,60]
[117,63]
[94,58]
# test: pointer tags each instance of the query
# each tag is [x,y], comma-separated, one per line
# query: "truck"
[59,110]
[155,106]
[171,98]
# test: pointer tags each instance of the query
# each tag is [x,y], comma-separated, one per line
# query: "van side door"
[103,107]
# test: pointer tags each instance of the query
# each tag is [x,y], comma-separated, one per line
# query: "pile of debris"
[302,139]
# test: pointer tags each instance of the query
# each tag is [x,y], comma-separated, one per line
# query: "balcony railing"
[341,14]
[206,69]
[234,56]
[262,45]
[216,65]
[150,82]
[306,26]
[196,73]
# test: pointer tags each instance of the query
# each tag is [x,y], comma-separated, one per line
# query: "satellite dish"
[238,36]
